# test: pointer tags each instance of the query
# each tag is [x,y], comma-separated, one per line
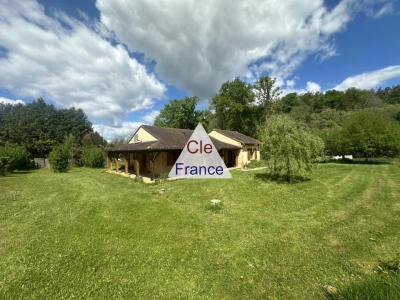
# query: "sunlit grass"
[89,234]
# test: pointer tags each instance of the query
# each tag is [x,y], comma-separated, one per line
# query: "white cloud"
[71,63]
[11,101]
[313,87]
[200,44]
[120,131]
[150,117]
[289,86]
[370,80]
[386,9]
[123,130]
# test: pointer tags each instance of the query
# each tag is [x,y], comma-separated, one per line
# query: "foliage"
[390,95]
[267,91]
[344,101]
[58,159]
[40,126]
[289,149]
[4,164]
[334,141]
[369,134]
[117,142]
[93,139]
[17,157]
[93,157]
[179,114]
[234,107]
[72,147]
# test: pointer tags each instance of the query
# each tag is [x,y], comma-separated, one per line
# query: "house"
[152,151]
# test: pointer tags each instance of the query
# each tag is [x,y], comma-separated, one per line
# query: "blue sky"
[122,62]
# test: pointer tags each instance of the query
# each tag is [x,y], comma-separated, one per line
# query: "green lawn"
[89,234]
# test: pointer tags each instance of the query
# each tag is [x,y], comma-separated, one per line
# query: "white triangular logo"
[199,159]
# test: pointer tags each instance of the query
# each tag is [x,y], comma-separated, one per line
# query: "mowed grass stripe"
[89,234]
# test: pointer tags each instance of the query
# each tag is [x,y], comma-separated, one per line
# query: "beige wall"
[244,155]
[258,155]
[143,136]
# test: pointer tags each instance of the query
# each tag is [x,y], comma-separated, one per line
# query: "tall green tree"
[267,91]
[369,134]
[93,139]
[40,126]
[390,95]
[234,107]
[179,114]
[289,149]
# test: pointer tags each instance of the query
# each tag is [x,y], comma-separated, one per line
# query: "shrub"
[17,157]
[4,164]
[289,149]
[93,157]
[370,134]
[58,159]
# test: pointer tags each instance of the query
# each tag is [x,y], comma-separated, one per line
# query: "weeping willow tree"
[290,149]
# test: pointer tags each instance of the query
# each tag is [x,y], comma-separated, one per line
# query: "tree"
[287,103]
[370,134]
[93,139]
[17,157]
[355,98]
[390,95]
[93,157]
[58,159]
[333,140]
[234,107]
[39,126]
[72,147]
[267,92]
[289,148]
[179,114]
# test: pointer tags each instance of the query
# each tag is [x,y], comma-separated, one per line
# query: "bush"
[93,157]
[17,157]
[4,164]
[370,134]
[58,159]
[288,148]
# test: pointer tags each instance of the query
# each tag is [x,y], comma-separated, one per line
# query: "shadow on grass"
[384,283]
[267,177]
[358,162]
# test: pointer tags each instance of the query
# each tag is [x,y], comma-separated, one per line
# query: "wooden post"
[152,161]
[109,162]
[237,158]
[136,167]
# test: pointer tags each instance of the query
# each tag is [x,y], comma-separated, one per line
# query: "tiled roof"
[167,139]
[237,136]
